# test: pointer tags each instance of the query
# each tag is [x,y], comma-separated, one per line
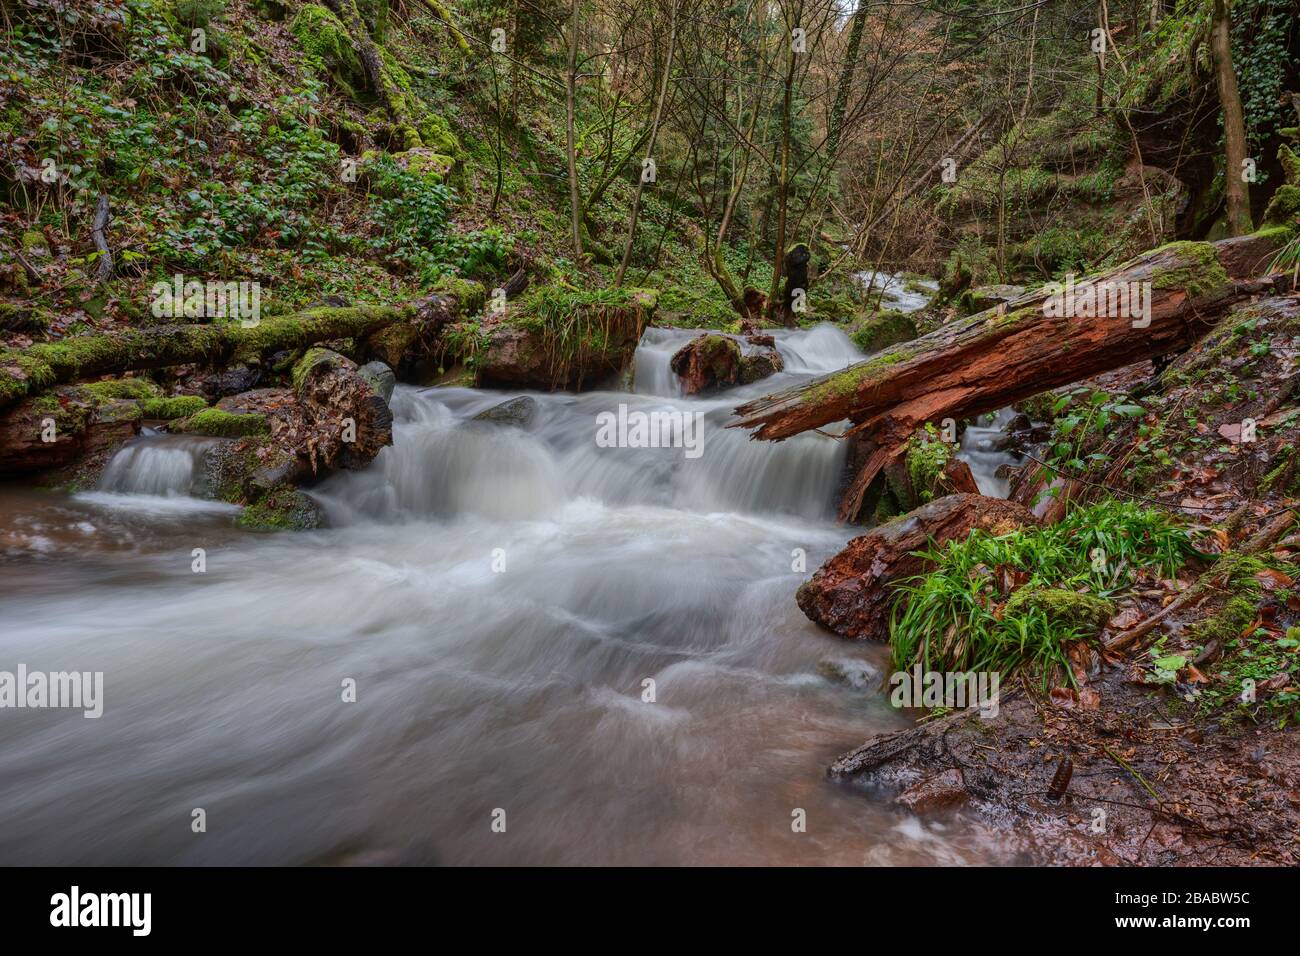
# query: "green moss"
[437,135]
[310,359]
[1197,270]
[1278,235]
[469,295]
[1068,609]
[137,388]
[324,39]
[888,328]
[1290,164]
[219,424]
[845,383]
[283,508]
[166,409]
[423,162]
[1284,208]
[1230,620]
[35,244]
[21,375]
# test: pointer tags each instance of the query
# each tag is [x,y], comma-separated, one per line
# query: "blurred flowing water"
[500,596]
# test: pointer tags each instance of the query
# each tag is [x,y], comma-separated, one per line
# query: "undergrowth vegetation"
[1014,602]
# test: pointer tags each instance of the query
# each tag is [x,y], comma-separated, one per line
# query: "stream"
[500,596]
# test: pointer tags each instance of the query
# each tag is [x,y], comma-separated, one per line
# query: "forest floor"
[1178,747]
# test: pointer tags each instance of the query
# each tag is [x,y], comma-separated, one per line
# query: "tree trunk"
[996,358]
[783,181]
[654,136]
[570,109]
[847,72]
[1236,192]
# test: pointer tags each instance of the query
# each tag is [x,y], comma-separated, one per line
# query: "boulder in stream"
[713,362]
[518,412]
[74,427]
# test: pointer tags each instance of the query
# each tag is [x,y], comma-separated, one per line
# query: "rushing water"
[894,291]
[500,596]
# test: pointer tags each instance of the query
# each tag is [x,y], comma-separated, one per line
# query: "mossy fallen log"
[1153,305]
[31,370]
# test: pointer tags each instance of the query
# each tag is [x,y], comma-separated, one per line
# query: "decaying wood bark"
[1005,355]
[38,367]
[850,594]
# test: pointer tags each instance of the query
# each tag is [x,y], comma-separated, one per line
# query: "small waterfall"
[158,474]
[894,293]
[805,352]
[978,451]
[442,464]
[157,465]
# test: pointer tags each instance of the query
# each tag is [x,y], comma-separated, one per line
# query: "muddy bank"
[1219,795]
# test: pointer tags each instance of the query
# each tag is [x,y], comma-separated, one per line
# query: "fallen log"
[1041,340]
[851,594]
[27,371]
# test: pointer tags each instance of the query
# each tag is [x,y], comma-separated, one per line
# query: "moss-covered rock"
[283,508]
[470,296]
[437,136]
[1284,208]
[115,388]
[883,330]
[219,424]
[324,39]
[1084,613]
[1290,164]
[179,406]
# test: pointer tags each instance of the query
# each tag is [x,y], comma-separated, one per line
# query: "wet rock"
[64,427]
[590,345]
[760,365]
[853,671]
[713,362]
[380,377]
[850,593]
[884,329]
[283,508]
[232,381]
[341,420]
[518,412]
[939,792]
[765,341]
[707,363]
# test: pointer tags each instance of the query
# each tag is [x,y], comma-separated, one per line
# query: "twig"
[1136,776]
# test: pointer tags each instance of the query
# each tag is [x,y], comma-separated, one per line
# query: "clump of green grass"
[1013,602]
